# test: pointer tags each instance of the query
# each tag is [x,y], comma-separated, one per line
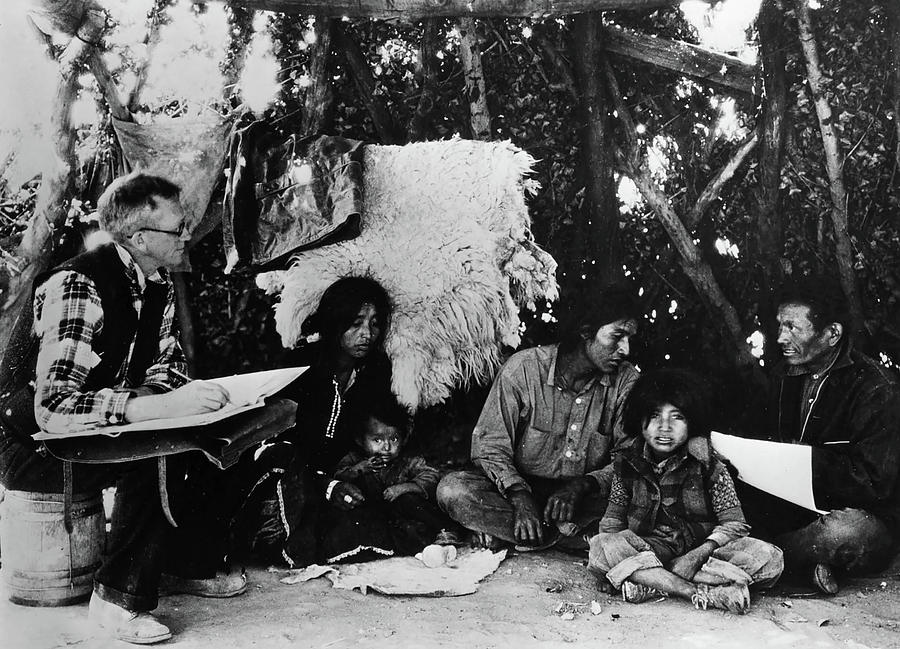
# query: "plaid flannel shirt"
[67,317]
[692,498]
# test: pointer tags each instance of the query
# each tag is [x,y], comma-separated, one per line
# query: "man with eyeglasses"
[108,353]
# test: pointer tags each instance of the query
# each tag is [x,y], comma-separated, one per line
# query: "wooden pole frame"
[417,9]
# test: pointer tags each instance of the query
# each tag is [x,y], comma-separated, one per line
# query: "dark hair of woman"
[338,309]
[683,389]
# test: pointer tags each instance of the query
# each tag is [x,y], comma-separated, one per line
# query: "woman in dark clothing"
[345,353]
[268,504]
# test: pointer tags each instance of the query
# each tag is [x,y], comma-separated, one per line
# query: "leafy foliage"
[687,132]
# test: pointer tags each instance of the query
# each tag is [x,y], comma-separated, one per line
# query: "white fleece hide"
[445,230]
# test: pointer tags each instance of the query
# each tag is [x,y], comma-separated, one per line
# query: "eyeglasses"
[177,232]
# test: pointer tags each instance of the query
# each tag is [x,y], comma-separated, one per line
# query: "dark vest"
[104,268]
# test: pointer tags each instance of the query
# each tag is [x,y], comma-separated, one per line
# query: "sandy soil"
[516,608]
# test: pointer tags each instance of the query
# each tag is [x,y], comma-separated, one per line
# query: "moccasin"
[125,625]
[823,578]
[219,586]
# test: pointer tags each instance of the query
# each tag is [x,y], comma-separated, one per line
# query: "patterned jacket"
[684,501]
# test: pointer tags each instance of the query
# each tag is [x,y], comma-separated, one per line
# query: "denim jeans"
[129,573]
[618,555]
[472,500]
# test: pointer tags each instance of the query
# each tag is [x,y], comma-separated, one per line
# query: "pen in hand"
[180,375]
[221,390]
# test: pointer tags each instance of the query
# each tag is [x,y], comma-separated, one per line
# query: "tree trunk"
[831,143]
[57,186]
[428,73]
[413,9]
[362,77]
[473,72]
[773,41]
[319,96]
[600,247]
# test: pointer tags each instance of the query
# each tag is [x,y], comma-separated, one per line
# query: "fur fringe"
[445,230]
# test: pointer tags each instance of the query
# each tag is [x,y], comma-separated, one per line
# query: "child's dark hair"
[681,388]
[380,405]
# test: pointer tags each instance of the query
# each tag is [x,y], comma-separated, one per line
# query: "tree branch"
[697,62]
[365,85]
[721,178]
[108,87]
[691,260]
[831,144]
[562,67]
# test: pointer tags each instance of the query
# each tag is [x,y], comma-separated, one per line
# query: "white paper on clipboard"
[783,470]
[246,392]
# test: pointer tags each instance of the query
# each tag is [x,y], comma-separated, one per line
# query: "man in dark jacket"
[846,407]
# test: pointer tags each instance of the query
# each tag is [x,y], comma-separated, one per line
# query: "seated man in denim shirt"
[544,442]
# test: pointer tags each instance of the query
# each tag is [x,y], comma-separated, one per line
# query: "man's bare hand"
[561,504]
[193,398]
[527,527]
[346,496]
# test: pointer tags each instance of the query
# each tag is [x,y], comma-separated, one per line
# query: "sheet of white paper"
[247,391]
[783,470]
[250,388]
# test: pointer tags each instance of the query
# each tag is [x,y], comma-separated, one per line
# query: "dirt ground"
[517,607]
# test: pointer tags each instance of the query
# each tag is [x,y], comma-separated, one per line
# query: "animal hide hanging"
[446,231]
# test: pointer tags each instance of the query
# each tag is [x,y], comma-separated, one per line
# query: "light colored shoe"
[734,598]
[638,593]
[125,625]
[823,578]
[220,586]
